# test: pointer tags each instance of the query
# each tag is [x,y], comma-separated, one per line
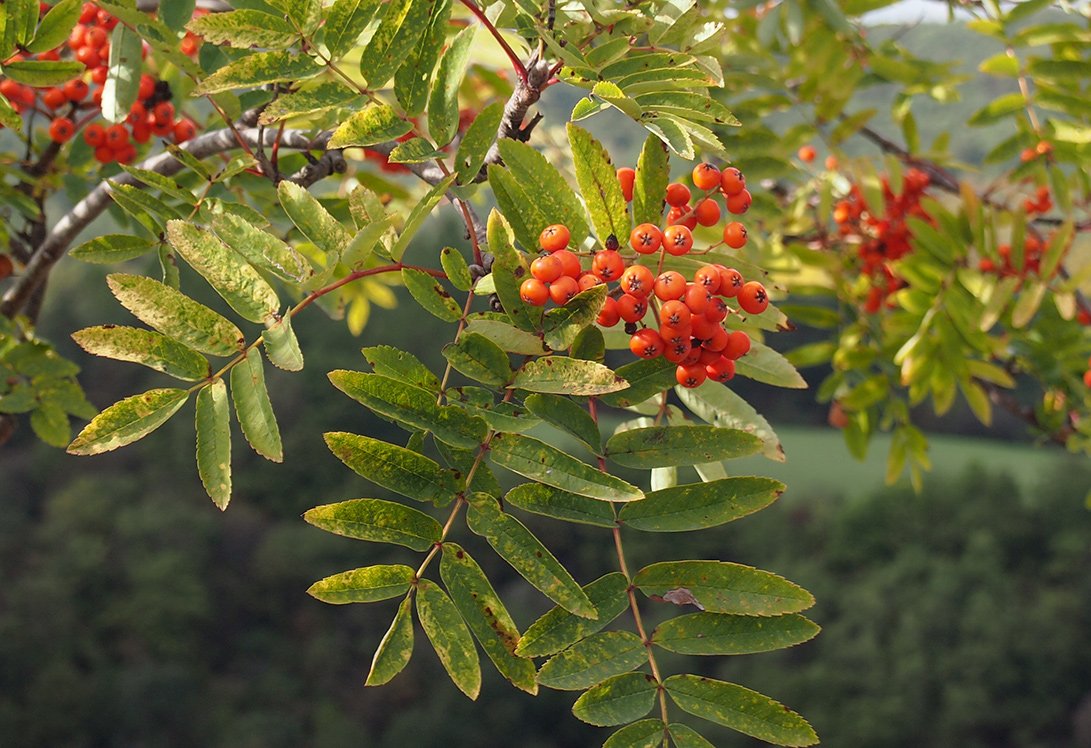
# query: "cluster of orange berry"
[882,239]
[689,314]
[89,43]
[1041,148]
[1032,258]
[1042,202]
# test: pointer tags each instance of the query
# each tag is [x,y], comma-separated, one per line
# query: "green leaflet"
[252,406]
[55,26]
[763,364]
[151,349]
[720,406]
[517,545]
[545,186]
[365,585]
[590,345]
[411,407]
[345,21]
[558,628]
[741,709]
[562,324]
[667,446]
[306,14]
[570,376]
[508,271]
[166,185]
[486,616]
[411,81]
[414,151]
[123,78]
[127,421]
[431,295]
[421,210]
[456,268]
[50,424]
[398,364]
[598,182]
[312,219]
[245,28]
[509,338]
[479,359]
[616,701]
[400,27]
[395,468]
[652,176]
[539,461]
[568,507]
[449,636]
[326,95]
[567,416]
[175,315]
[282,346]
[261,249]
[259,69]
[647,733]
[213,423]
[149,210]
[593,660]
[646,378]
[395,649]
[685,736]
[523,214]
[443,102]
[234,279]
[723,634]
[693,106]
[696,506]
[377,521]
[476,141]
[375,123]
[42,73]
[723,587]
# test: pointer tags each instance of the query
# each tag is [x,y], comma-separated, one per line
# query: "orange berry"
[708,278]
[831,163]
[739,203]
[104,154]
[670,285]
[677,194]
[632,308]
[95,37]
[732,181]
[563,289]
[609,315]
[637,280]
[163,113]
[703,328]
[674,313]
[547,269]
[554,238]
[738,345]
[534,292]
[100,74]
[717,310]
[717,342]
[693,375]
[707,212]
[76,90]
[61,129]
[147,87]
[706,177]
[674,335]
[116,136]
[1087,378]
[588,280]
[1028,154]
[731,282]
[88,56]
[646,238]
[627,177]
[806,154]
[753,298]
[184,130]
[1043,148]
[678,240]
[721,370]
[94,135]
[646,343]
[54,98]
[676,352]
[608,265]
[570,263]
[735,235]
[188,46]
[696,298]
[683,215]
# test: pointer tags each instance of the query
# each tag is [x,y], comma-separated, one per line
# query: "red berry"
[163,112]
[106,21]
[674,313]
[88,13]
[738,345]
[76,89]
[104,154]
[1087,378]
[76,38]
[117,137]
[6,266]
[563,289]
[683,215]
[570,263]
[676,352]
[646,343]
[88,56]
[707,212]
[732,181]
[632,308]
[740,203]
[646,238]
[141,132]
[100,74]
[708,278]
[717,342]
[717,310]
[702,327]
[61,129]
[696,298]
[95,37]
[753,298]
[608,265]
[735,235]
[147,87]
[677,194]
[721,370]
[533,292]
[184,130]
[678,240]
[589,280]
[693,357]
[706,177]
[627,178]
[54,98]
[609,315]
[547,269]
[806,154]
[731,282]
[637,280]
[188,45]
[554,238]
[670,285]
[94,135]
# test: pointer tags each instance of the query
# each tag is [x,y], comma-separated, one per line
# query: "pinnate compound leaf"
[652,176]
[517,545]
[479,359]
[723,587]
[720,406]
[377,521]
[567,376]
[431,295]
[261,249]
[568,507]
[616,701]
[685,736]
[176,315]
[127,421]
[558,629]
[724,634]
[345,21]
[375,123]
[696,506]
[667,446]
[593,660]
[539,461]
[443,102]
[365,585]
[545,186]
[259,69]
[647,733]
[253,408]
[245,28]
[282,346]
[213,424]
[598,182]
[395,649]
[151,349]
[232,277]
[486,615]
[395,468]
[646,378]
[398,364]
[412,407]
[450,637]
[567,416]
[741,709]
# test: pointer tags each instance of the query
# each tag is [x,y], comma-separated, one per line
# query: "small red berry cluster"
[89,43]
[689,313]
[1043,148]
[1087,374]
[1033,248]
[1042,202]
[882,239]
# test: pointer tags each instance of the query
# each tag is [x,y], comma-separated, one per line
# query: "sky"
[910,11]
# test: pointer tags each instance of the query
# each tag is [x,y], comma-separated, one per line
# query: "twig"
[516,63]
